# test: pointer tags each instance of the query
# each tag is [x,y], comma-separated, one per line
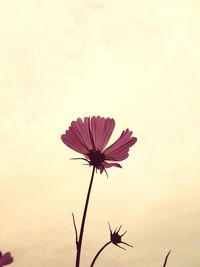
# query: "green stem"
[79,245]
[92,264]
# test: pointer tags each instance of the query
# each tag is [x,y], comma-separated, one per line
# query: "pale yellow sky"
[135,61]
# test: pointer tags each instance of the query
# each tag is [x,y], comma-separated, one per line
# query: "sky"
[135,61]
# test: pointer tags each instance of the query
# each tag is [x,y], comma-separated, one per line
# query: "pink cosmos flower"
[5,259]
[90,137]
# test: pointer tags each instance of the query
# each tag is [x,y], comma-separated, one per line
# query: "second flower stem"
[80,239]
[95,258]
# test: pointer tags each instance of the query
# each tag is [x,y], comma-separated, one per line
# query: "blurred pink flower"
[5,259]
[90,137]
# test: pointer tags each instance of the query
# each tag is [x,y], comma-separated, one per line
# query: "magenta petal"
[78,137]
[111,164]
[6,259]
[106,165]
[118,151]
[70,142]
[101,130]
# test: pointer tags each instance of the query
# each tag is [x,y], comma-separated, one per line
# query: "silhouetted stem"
[75,229]
[78,254]
[165,262]
[92,264]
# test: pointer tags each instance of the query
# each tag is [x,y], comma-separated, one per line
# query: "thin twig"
[76,233]
[166,258]
[95,258]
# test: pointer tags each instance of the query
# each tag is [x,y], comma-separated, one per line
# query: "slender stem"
[92,264]
[166,258]
[76,234]
[78,253]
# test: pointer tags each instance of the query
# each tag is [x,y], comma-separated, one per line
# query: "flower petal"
[6,259]
[101,130]
[119,149]
[105,165]
[78,137]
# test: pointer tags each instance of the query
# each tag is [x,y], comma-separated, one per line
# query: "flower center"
[116,238]
[96,157]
